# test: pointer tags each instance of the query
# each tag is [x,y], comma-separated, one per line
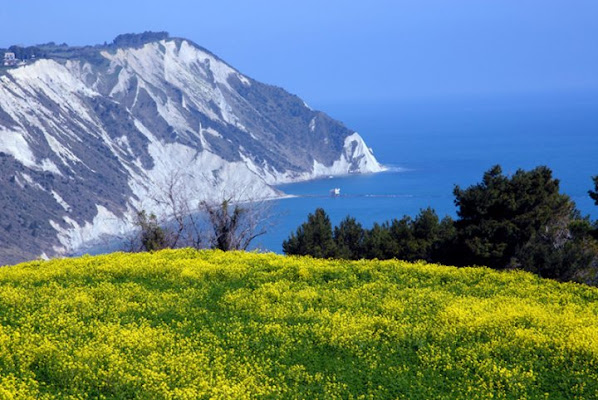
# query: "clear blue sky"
[331,51]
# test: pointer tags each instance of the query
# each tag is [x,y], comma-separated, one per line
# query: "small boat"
[335,192]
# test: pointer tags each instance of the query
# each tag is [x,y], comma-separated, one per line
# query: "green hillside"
[184,324]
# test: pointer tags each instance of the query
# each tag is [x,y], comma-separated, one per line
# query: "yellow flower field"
[183,324]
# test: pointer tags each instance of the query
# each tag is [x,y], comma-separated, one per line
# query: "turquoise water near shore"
[432,145]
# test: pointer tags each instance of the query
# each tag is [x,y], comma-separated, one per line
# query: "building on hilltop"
[10,60]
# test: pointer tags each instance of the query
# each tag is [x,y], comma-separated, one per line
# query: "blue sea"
[431,145]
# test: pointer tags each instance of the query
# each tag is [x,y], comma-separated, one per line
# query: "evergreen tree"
[499,216]
[401,234]
[594,194]
[313,237]
[425,228]
[349,238]
[444,247]
[519,221]
[550,255]
[379,243]
[422,238]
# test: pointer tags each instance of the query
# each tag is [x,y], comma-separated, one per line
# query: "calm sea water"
[431,146]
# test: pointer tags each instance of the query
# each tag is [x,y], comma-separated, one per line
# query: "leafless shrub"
[232,221]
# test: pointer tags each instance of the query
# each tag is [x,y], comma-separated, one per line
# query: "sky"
[332,51]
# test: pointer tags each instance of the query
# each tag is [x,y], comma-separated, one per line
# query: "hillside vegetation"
[519,221]
[188,324]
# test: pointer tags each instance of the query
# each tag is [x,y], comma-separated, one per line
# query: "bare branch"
[231,222]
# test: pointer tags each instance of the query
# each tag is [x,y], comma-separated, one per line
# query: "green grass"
[192,325]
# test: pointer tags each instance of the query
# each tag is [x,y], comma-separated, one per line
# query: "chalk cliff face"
[88,135]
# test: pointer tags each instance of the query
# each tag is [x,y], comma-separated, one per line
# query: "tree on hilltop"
[349,237]
[152,236]
[506,221]
[313,237]
[500,215]
[231,222]
[594,194]
[234,225]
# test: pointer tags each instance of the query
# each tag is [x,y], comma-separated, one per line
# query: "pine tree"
[499,216]
[594,194]
[313,237]
[349,238]
[379,243]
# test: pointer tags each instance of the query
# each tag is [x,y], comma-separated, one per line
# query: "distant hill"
[188,324]
[89,135]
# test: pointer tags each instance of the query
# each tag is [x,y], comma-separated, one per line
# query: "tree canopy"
[498,216]
[518,221]
[594,193]
[313,237]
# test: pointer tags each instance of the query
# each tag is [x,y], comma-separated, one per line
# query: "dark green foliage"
[379,243]
[25,53]
[501,214]
[574,260]
[349,237]
[524,222]
[313,237]
[519,221]
[153,237]
[443,248]
[594,194]
[422,238]
[138,39]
